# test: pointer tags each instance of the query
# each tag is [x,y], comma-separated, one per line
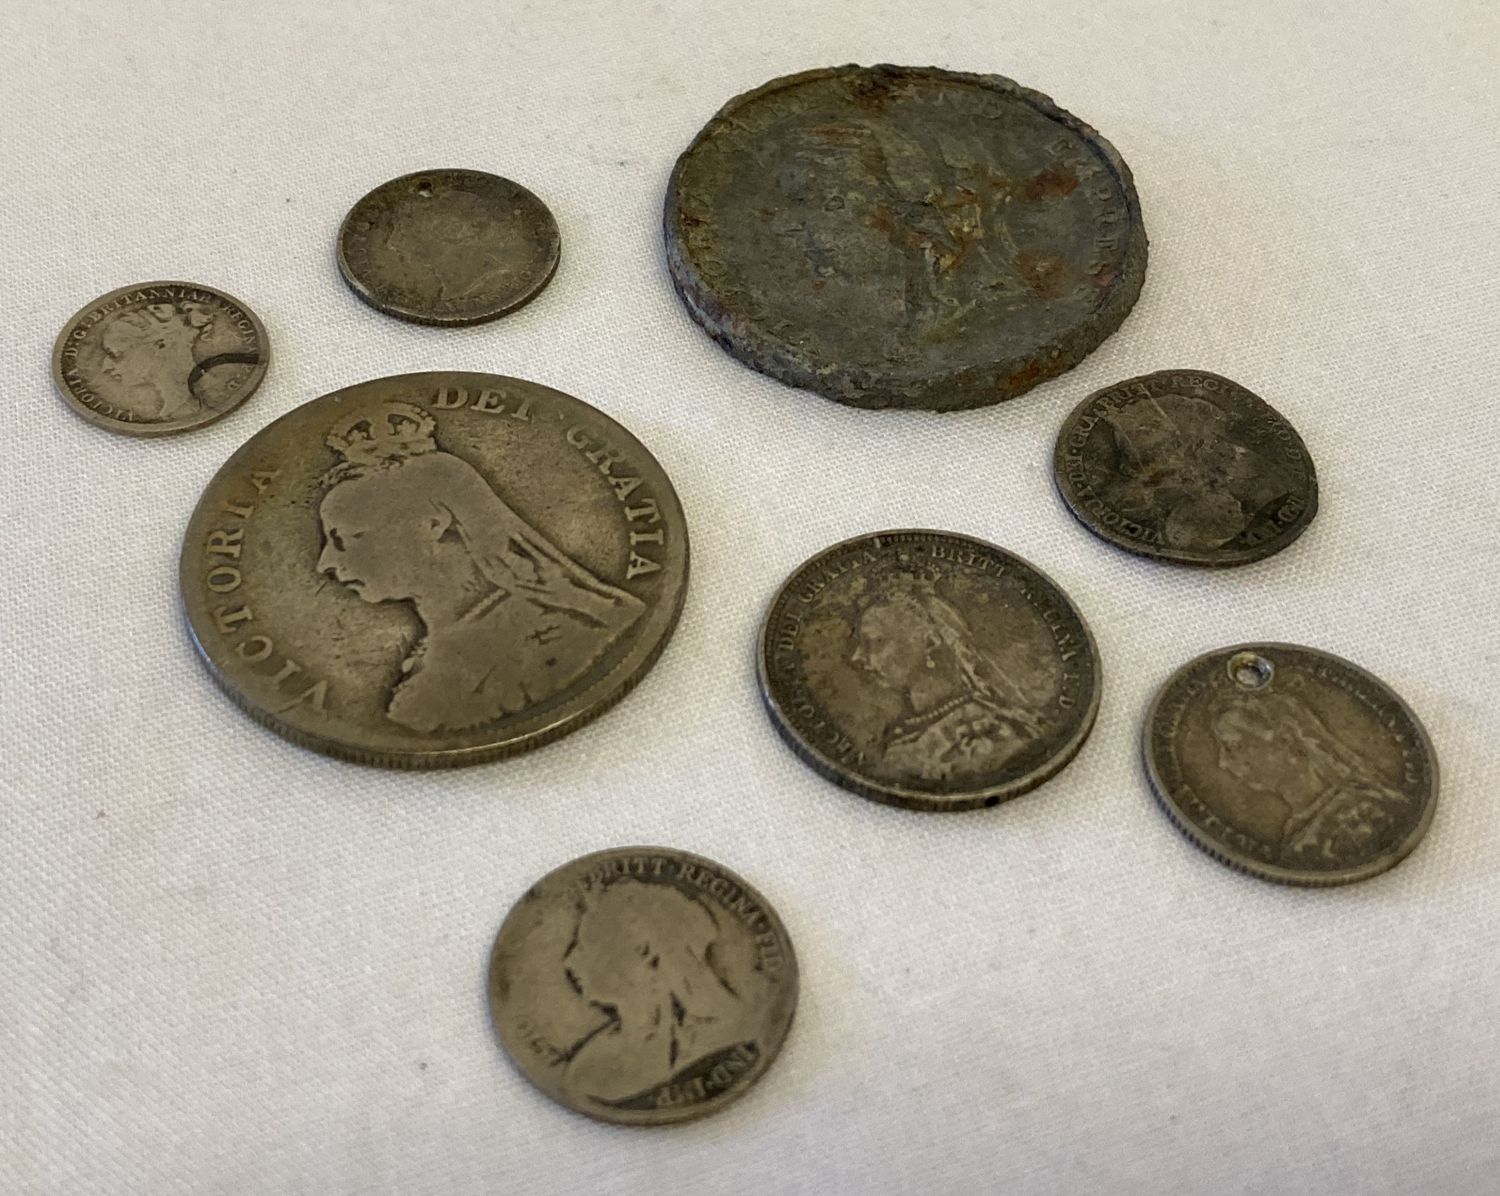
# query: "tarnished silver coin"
[1291,764]
[434,569]
[904,237]
[928,670]
[1186,466]
[643,985]
[448,247]
[160,357]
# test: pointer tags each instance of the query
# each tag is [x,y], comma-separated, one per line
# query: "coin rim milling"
[152,430]
[899,795]
[596,696]
[1275,873]
[960,389]
[437,320]
[787,995]
[1213,558]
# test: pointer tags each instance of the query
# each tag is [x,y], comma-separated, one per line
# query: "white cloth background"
[228,965]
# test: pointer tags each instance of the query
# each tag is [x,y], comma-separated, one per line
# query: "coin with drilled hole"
[643,985]
[928,670]
[1186,466]
[448,247]
[160,357]
[1291,764]
[434,569]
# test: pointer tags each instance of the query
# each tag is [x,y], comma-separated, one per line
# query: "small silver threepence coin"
[448,247]
[1186,466]
[928,670]
[160,357]
[1291,764]
[642,985]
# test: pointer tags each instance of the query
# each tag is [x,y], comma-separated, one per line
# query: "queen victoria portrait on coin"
[509,619]
[1284,757]
[1291,764]
[642,985]
[644,956]
[434,569]
[928,669]
[1186,466]
[160,357]
[962,713]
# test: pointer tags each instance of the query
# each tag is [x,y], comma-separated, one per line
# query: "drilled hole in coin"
[1249,670]
[424,188]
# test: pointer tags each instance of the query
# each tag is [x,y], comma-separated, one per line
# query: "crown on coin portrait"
[916,573]
[913,578]
[392,433]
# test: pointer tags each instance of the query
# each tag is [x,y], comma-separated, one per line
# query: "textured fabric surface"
[228,965]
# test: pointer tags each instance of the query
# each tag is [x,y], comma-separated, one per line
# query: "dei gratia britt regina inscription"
[434,569]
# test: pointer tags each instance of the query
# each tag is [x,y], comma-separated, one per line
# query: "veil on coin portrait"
[964,713]
[1177,470]
[1282,754]
[151,354]
[452,241]
[510,620]
[643,955]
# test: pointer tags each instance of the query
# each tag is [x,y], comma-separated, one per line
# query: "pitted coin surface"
[1291,764]
[434,569]
[928,670]
[904,237]
[1186,466]
[448,247]
[160,357]
[642,985]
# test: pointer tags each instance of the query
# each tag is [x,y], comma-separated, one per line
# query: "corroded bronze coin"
[928,670]
[904,237]
[1291,764]
[1186,466]
[434,569]
[160,357]
[643,985]
[448,247]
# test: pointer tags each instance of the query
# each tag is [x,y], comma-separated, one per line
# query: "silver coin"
[1186,466]
[434,569]
[1291,764]
[642,985]
[448,247]
[928,670]
[160,357]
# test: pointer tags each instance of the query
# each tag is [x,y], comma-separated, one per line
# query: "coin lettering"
[642,985]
